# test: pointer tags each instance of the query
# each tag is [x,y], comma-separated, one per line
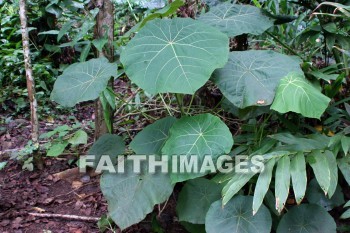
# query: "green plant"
[179,56]
[63,136]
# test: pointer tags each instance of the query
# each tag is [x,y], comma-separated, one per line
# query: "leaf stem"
[179,99]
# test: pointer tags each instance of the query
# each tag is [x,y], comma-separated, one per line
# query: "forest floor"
[23,192]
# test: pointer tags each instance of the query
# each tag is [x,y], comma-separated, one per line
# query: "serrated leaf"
[83,81]
[195,199]
[80,137]
[299,177]
[151,139]
[296,94]
[109,145]
[237,217]
[307,218]
[262,185]
[198,136]
[319,164]
[282,182]
[174,55]
[235,19]
[251,77]
[131,196]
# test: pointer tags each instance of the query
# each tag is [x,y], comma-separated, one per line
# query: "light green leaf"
[235,19]
[298,174]
[296,94]
[197,136]
[238,180]
[345,215]
[307,218]
[344,167]
[108,144]
[51,32]
[237,217]
[80,137]
[2,165]
[174,55]
[83,81]
[57,149]
[319,163]
[282,182]
[131,196]
[345,144]
[100,43]
[262,185]
[195,199]
[152,138]
[333,169]
[251,77]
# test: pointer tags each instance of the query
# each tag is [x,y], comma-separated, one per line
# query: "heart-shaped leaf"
[251,77]
[195,199]
[196,137]
[174,55]
[131,196]
[152,138]
[83,81]
[307,218]
[234,19]
[237,216]
[296,94]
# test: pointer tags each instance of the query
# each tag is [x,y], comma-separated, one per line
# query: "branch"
[66,216]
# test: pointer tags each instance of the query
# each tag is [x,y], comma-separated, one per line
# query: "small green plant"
[63,136]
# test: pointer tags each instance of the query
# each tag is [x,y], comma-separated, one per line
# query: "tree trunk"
[30,81]
[104,21]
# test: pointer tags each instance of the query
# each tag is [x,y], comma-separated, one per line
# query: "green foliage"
[132,196]
[307,218]
[174,55]
[179,56]
[246,86]
[83,81]
[237,217]
[61,137]
[234,19]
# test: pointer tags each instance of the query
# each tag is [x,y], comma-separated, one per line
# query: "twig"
[66,216]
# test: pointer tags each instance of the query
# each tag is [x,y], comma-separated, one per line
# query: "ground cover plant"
[263,81]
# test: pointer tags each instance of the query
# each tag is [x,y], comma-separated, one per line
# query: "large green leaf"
[198,136]
[282,182]
[83,81]
[108,145]
[319,163]
[234,19]
[296,94]
[195,199]
[152,138]
[298,174]
[262,185]
[174,55]
[251,77]
[237,217]
[344,167]
[307,218]
[131,196]
[315,195]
